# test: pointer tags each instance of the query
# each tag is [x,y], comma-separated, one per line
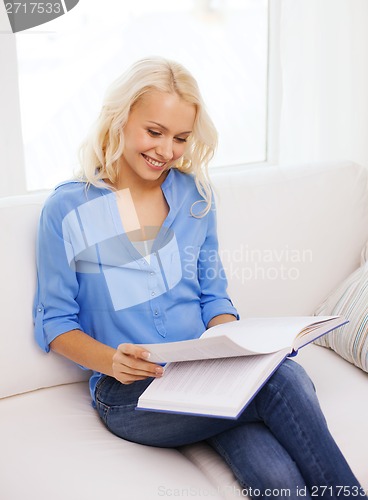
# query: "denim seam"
[102,410]
[100,383]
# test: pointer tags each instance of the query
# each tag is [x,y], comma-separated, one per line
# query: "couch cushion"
[22,363]
[350,299]
[58,449]
[289,235]
[215,469]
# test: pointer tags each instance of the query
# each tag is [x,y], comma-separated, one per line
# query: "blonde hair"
[104,145]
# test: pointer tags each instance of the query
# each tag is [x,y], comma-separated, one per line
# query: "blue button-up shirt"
[92,277]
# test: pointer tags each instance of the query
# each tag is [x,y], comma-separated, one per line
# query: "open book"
[219,373]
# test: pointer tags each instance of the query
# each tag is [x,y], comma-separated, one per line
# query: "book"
[219,373]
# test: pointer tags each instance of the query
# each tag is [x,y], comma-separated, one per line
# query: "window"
[66,65]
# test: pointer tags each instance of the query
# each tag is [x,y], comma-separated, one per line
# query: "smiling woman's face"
[155,136]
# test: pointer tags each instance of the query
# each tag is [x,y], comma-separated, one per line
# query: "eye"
[153,133]
[180,139]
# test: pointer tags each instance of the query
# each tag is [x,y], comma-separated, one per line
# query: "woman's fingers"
[130,364]
[134,350]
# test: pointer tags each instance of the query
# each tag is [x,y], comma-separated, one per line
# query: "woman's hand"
[130,363]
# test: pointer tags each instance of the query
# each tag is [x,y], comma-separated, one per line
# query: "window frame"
[274,96]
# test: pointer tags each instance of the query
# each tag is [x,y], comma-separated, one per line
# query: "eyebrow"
[166,129]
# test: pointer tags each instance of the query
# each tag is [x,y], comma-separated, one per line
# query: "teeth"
[154,162]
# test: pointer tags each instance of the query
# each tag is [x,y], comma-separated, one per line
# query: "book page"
[241,338]
[190,350]
[213,387]
[313,332]
[268,334]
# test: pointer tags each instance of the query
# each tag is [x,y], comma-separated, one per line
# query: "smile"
[154,163]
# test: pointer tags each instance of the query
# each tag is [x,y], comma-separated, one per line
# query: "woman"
[116,254]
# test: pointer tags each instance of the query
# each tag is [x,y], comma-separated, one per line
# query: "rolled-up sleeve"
[212,278]
[55,308]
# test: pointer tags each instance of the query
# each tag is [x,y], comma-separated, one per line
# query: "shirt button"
[156,313]
[153,294]
[152,274]
[39,309]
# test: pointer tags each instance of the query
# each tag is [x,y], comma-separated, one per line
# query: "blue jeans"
[280,441]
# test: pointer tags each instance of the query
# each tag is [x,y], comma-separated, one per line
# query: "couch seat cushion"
[55,447]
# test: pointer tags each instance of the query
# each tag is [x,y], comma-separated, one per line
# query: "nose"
[165,149]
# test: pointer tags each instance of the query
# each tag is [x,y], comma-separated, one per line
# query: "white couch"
[288,236]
